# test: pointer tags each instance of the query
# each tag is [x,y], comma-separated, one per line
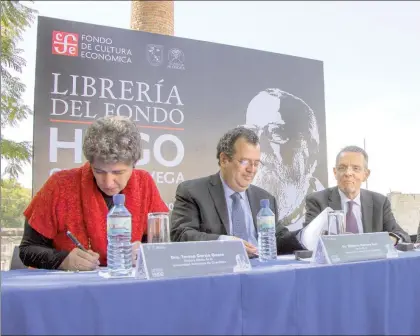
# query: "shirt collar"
[345,199]
[228,191]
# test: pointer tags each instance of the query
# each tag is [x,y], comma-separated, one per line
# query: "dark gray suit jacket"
[376,210]
[200,213]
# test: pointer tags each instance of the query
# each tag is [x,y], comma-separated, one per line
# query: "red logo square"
[66,44]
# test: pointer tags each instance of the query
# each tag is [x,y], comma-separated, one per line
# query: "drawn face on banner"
[289,141]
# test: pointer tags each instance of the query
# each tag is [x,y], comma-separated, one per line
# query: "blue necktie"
[238,218]
[351,222]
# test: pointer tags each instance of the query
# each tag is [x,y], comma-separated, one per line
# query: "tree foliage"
[15,199]
[15,18]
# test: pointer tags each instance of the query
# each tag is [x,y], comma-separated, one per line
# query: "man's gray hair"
[227,141]
[112,139]
[353,149]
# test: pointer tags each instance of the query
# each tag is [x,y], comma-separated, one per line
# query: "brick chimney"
[153,16]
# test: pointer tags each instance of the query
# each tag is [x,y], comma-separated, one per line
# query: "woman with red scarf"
[78,200]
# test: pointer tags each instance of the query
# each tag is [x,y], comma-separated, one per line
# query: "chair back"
[15,262]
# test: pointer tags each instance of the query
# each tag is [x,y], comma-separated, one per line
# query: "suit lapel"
[218,194]
[366,201]
[334,199]
[253,203]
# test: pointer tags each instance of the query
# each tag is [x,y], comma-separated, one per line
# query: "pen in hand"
[75,241]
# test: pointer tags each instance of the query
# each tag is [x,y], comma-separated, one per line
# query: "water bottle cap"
[118,199]
[265,203]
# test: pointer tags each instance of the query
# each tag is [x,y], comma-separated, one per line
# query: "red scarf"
[70,200]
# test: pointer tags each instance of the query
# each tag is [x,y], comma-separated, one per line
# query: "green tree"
[15,199]
[15,18]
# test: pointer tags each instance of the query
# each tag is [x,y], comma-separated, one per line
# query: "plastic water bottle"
[266,224]
[119,238]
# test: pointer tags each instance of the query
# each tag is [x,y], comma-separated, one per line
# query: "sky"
[371,55]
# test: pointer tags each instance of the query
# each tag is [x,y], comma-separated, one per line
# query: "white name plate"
[189,259]
[345,248]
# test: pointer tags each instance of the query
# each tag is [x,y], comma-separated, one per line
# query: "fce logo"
[66,44]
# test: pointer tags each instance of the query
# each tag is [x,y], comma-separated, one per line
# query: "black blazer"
[200,213]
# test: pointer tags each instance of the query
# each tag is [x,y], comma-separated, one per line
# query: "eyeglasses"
[248,163]
[344,169]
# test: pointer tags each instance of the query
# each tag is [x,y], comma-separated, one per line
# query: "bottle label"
[119,225]
[266,222]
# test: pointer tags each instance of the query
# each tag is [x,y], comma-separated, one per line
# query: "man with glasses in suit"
[366,211]
[225,205]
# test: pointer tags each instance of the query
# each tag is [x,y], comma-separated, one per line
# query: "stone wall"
[9,239]
[406,209]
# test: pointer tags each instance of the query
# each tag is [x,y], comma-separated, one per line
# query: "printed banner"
[184,95]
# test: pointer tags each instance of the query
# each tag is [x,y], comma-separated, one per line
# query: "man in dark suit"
[366,211]
[205,208]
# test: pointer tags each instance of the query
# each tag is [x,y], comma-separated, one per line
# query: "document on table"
[312,232]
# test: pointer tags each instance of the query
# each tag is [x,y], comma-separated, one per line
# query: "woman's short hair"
[112,139]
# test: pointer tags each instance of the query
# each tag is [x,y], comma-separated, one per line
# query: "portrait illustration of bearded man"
[289,140]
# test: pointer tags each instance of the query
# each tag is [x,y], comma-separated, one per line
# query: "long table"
[282,297]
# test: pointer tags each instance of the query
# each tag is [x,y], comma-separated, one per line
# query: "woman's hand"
[78,260]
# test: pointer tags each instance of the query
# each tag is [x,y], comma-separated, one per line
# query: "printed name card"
[188,259]
[345,248]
